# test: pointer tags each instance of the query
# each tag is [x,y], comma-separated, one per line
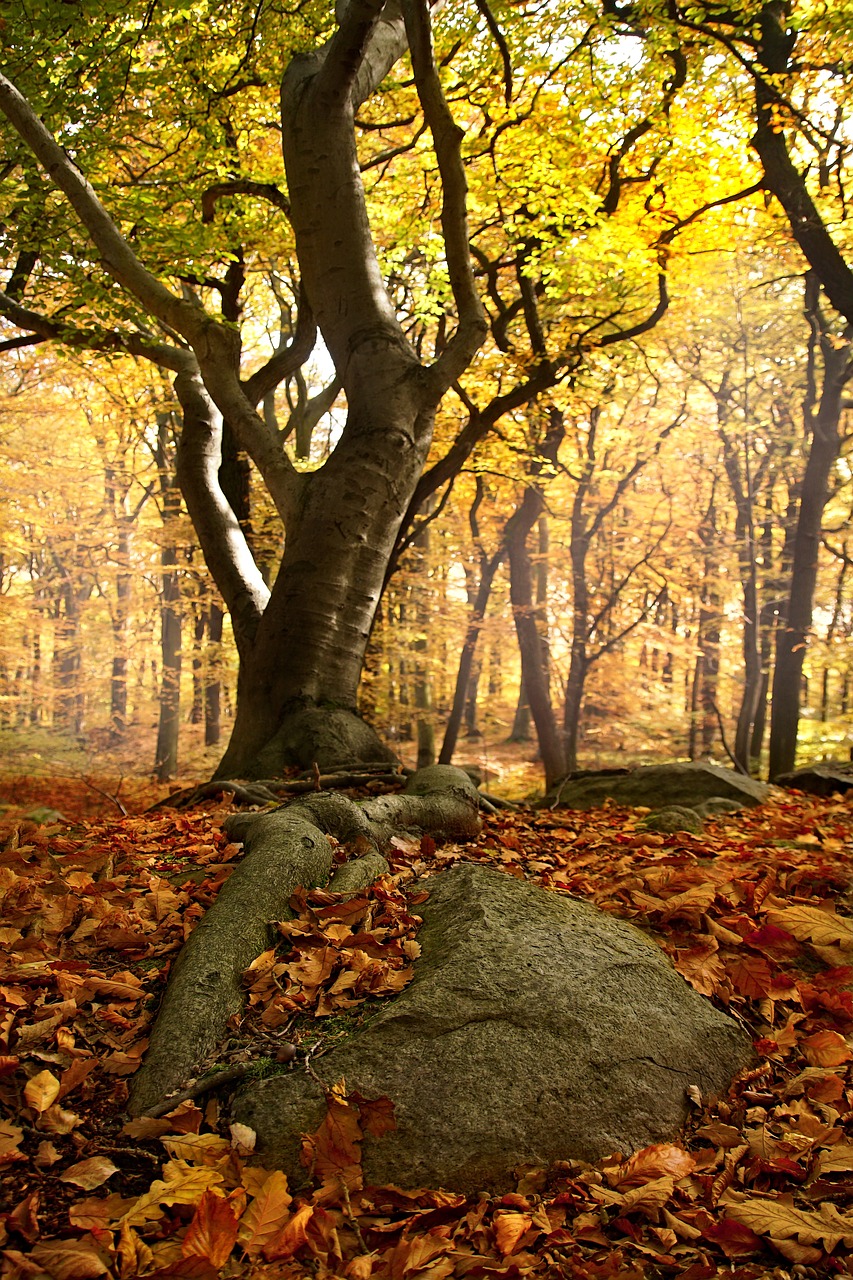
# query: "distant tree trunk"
[488,567]
[534,666]
[703,720]
[520,731]
[168,728]
[424,620]
[793,636]
[213,677]
[466,659]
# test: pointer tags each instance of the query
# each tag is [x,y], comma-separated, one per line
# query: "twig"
[213,1080]
[737,764]
[113,799]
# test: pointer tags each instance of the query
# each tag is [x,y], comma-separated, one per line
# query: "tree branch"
[118,258]
[447,137]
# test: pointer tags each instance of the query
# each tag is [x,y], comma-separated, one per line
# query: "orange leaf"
[266,1214]
[826,1049]
[652,1162]
[750,976]
[334,1150]
[509,1229]
[291,1237]
[212,1233]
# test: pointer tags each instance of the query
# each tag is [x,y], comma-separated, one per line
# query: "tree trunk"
[466,660]
[213,676]
[793,637]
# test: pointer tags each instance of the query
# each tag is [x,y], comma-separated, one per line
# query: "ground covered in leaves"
[755,913]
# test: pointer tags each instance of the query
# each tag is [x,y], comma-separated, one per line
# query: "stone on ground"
[819,779]
[658,786]
[536,1029]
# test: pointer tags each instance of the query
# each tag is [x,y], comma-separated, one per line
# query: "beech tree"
[171,120]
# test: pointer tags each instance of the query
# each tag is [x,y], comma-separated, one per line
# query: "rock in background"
[536,1029]
[658,786]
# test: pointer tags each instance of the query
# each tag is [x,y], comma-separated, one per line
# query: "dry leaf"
[266,1215]
[41,1091]
[212,1233]
[90,1173]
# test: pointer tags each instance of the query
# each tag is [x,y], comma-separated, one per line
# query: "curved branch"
[133,344]
[447,137]
[242,187]
[223,543]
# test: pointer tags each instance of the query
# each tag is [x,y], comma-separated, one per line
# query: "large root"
[285,849]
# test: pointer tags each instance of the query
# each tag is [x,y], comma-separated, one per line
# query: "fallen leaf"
[41,1091]
[266,1214]
[212,1233]
[90,1173]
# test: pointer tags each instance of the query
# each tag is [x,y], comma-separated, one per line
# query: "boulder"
[657,786]
[819,779]
[673,818]
[536,1029]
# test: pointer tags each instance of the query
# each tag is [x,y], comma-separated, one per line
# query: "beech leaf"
[90,1173]
[41,1091]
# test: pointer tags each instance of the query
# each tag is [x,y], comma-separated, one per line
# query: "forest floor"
[755,913]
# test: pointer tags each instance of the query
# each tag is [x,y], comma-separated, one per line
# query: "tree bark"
[793,636]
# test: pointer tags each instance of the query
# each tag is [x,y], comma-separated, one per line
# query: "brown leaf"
[70,1259]
[212,1233]
[509,1230]
[779,1220]
[266,1215]
[291,1237]
[826,1049]
[90,1173]
[651,1163]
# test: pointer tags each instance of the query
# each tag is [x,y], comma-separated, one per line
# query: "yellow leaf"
[41,1091]
[197,1148]
[810,924]
[188,1188]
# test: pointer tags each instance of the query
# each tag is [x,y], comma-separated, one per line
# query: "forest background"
[639,506]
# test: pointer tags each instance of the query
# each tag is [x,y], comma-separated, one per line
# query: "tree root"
[286,848]
[271,790]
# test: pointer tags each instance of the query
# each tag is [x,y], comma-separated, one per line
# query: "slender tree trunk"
[793,637]
[213,677]
[466,659]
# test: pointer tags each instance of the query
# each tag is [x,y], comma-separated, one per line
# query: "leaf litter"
[755,913]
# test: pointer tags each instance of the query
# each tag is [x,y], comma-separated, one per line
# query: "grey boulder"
[658,786]
[536,1029]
